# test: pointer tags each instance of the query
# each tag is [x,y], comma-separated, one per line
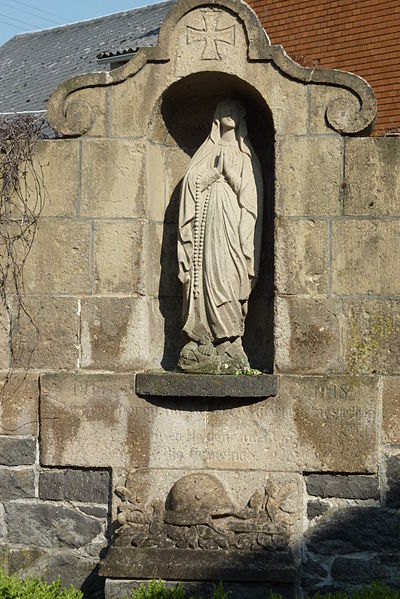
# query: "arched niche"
[180,123]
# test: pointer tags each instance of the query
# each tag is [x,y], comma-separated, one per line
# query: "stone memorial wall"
[297,490]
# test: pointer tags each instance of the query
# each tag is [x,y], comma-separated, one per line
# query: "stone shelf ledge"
[176,384]
[200,564]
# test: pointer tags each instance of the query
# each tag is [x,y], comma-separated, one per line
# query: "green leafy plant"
[375,590]
[248,371]
[34,588]
[157,590]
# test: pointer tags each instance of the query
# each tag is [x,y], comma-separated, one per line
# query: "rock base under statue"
[200,564]
[175,384]
[122,588]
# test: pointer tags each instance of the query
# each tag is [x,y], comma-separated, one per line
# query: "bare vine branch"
[22,197]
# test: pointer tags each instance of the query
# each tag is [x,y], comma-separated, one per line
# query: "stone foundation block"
[16,484]
[358,571]
[356,529]
[75,485]
[71,566]
[316,508]
[17,452]
[344,486]
[393,481]
[47,525]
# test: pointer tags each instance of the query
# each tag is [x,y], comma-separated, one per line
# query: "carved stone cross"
[210,34]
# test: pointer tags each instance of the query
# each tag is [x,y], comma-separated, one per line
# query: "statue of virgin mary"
[219,243]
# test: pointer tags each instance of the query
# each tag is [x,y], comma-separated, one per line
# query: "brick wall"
[353,35]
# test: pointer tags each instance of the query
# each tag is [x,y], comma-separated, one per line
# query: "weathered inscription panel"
[315,423]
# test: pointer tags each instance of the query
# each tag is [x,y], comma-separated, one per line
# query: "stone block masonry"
[311,472]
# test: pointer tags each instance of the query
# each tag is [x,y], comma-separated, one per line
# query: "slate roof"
[33,64]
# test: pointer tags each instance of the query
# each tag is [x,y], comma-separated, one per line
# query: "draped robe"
[219,236]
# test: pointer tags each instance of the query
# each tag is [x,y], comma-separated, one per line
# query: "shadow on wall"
[183,121]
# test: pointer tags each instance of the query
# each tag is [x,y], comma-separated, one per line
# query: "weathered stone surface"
[115,333]
[17,452]
[342,485]
[70,566]
[363,257]
[3,530]
[306,335]
[120,589]
[162,275]
[316,416]
[372,336]
[55,343]
[48,525]
[205,385]
[331,413]
[19,405]
[156,181]
[59,259]
[307,176]
[94,510]
[312,574]
[279,94]
[134,432]
[113,178]
[316,508]
[4,558]
[354,529]
[301,257]
[60,184]
[305,427]
[356,570]
[4,339]
[118,257]
[165,333]
[75,485]
[96,98]
[320,98]
[393,480]
[128,562]
[176,163]
[140,92]
[391,409]
[372,176]
[16,484]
